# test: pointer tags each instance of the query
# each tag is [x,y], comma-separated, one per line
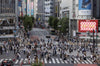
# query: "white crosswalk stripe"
[77,61]
[61,61]
[86,62]
[57,60]
[51,61]
[25,61]
[16,62]
[45,61]
[33,60]
[21,60]
[89,61]
[1,60]
[66,62]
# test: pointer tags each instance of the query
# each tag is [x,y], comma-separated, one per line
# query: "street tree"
[28,23]
[64,22]
[55,23]
[50,21]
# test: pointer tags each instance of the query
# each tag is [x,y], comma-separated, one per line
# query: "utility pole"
[93,42]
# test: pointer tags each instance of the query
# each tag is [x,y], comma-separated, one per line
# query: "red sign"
[88,25]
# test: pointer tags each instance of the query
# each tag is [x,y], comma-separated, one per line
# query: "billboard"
[84,7]
[87,25]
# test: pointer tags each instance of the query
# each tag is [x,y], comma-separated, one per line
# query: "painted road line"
[66,62]
[1,60]
[61,61]
[21,60]
[16,62]
[25,60]
[53,60]
[77,61]
[89,61]
[50,61]
[45,61]
[57,60]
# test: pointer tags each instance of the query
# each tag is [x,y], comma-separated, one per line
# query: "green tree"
[64,22]
[50,20]
[28,23]
[55,23]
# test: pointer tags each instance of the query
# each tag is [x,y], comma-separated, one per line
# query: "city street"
[49,32]
[54,59]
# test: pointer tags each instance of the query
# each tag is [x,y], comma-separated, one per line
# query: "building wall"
[96,9]
[35,7]
[26,8]
[65,8]
[7,7]
[49,9]
[40,10]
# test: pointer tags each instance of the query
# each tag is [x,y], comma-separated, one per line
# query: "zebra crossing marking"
[86,62]
[33,60]
[41,60]
[57,60]
[66,62]
[16,62]
[50,61]
[89,61]
[45,61]
[25,60]
[61,61]
[21,60]
[1,60]
[77,61]
[10,59]
[53,60]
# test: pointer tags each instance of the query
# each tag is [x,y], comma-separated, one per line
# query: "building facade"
[49,8]
[40,11]
[8,19]
[75,10]
[96,9]
[26,7]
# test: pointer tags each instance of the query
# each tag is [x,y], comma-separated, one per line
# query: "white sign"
[84,12]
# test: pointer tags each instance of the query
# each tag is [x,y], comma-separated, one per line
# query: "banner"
[88,25]
[84,7]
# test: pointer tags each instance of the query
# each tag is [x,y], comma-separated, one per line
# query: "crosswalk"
[51,61]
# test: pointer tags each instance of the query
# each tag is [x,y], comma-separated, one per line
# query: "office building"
[49,9]
[8,19]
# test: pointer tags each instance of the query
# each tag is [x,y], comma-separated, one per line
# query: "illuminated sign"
[88,25]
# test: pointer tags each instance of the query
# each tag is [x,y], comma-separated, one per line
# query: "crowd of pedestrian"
[48,49]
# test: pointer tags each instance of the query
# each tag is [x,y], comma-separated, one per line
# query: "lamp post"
[93,42]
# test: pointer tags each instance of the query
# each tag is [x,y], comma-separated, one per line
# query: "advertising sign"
[87,25]
[84,7]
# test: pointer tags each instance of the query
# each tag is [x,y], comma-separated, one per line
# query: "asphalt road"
[42,33]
